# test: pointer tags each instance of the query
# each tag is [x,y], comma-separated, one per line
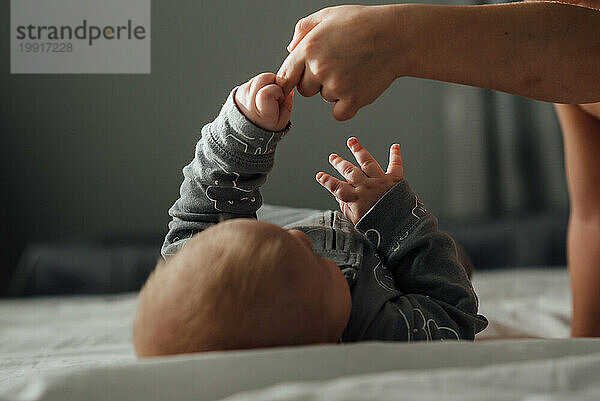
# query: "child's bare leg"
[581,132]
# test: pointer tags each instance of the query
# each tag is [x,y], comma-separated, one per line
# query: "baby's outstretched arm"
[365,185]
[232,159]
[423,292]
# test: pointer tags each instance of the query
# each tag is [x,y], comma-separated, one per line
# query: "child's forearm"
[231,162]
[433,286]
[546,51]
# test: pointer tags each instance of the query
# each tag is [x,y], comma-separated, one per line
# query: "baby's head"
[241,284]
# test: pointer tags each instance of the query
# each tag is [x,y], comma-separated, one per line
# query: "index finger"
[367,162]
[291,71]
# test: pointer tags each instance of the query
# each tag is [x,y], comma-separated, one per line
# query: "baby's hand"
[263,103]
[365,185]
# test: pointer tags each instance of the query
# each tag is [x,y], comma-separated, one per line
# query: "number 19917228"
[46,47]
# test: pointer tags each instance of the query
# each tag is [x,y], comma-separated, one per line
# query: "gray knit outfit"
[405,278]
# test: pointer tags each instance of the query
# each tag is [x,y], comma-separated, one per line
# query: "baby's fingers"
[395,168]
[267,101]
[367,163]
[260,81]
[349,171]
[341,190]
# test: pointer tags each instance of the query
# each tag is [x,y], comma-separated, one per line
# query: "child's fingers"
[349,171]
[340,189]
[260,81]
[367,163]
[395,164]
[267,101]
[242,93]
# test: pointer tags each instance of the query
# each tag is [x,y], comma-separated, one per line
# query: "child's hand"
[263,103]
[365,185]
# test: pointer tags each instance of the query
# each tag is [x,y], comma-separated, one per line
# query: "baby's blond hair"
[231,287]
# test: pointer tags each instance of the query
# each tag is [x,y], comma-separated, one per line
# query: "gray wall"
[102,154]
[98,155]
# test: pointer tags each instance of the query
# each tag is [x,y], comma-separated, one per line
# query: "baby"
[379,271]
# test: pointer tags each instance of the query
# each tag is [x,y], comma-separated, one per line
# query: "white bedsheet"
[532,302]
[73,348]
[570,378]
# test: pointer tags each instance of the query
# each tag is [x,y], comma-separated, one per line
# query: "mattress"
[74,348]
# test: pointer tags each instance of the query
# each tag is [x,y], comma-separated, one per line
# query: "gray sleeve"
[435,297]
[231,162]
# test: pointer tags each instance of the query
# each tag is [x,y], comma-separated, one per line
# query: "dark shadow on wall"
[123,264]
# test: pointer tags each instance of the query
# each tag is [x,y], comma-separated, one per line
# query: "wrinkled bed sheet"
[69,347]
